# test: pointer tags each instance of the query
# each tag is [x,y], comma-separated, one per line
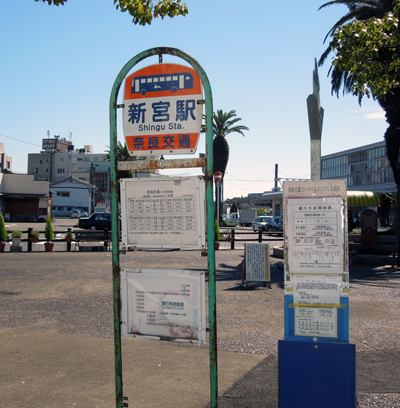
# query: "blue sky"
[58,65]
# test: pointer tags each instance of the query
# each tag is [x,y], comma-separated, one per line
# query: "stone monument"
[315,119]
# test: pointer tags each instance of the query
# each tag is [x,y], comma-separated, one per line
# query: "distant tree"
[224,123]
[366,44]
[143,11]
[233,208]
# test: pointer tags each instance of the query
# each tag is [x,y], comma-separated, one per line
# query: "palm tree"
[390,103]
[122,155]
[223,124]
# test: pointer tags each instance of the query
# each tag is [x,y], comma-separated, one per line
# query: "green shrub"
[48,231]
[217,233]
[16,234]
[35,234]
[3,231]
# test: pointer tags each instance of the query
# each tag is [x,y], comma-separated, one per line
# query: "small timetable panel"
[315,229]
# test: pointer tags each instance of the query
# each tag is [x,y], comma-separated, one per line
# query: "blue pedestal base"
[316,375]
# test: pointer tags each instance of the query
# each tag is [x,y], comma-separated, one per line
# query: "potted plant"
[3,233]
[34,235]
[229,237]
[16,238]
[217,235]
[68,236]
[49,235]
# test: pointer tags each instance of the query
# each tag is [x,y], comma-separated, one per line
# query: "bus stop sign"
[163,110]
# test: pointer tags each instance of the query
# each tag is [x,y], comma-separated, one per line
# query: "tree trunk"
[221,157]
[391,105]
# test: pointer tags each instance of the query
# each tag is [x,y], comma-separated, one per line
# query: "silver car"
[75,214]
[260,222]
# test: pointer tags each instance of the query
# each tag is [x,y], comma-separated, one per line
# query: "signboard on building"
[168,304]
[55,144]
[166,212]
[163,110]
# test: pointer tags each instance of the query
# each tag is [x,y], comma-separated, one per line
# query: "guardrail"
[260,238]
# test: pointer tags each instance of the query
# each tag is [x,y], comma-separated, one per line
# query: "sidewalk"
[44,369]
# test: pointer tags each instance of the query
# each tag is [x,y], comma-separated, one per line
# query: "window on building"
[60,170]
[35,170]
[63,193]
[8,165]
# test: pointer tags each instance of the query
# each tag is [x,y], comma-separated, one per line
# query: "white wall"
[78,197]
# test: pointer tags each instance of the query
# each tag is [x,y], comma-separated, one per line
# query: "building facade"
[21,197]
[59,160]
[72,193]
[365,168]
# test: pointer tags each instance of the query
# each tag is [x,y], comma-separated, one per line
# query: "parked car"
[82,211]
[75,214]
[97,221]
[260,222]
[275,225]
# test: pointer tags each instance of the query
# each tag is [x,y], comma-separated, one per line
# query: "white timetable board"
[165,212]
[315,230]
[166,304]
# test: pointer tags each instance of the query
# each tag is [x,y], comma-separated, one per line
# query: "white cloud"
[376,115]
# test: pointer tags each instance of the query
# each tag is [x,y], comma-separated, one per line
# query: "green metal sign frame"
[209,210]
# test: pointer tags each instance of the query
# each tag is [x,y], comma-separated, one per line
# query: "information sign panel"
[165,212]
[166,304]
[314,218]
[315,321]
[257,262]
[312,289]
[315,231]
[163,110]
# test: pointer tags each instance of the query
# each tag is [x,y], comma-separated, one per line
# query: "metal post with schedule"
[316,298]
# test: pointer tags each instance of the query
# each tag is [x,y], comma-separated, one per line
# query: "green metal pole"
[210,218]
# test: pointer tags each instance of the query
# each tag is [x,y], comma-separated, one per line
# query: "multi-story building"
[366,168]
[59,160]
[370,181]
[5,161]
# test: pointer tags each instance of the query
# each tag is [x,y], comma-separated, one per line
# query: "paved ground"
[57,350]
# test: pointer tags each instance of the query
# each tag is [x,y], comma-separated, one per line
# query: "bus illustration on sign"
[155,83]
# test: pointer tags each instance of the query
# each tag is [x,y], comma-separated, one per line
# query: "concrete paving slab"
[47,369]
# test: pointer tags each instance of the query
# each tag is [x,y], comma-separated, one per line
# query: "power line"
[19,140]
